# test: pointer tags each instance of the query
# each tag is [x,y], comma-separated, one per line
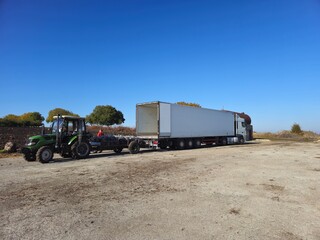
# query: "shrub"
[296,128]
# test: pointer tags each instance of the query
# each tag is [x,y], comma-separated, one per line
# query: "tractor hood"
[41,138]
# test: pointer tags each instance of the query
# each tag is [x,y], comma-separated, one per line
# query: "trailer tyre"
[163,145]
[44,154]
[118,150]
[197,143]
[189,143]
[172,145]
[223,141]
[134,147]
[181,144]
[65,155]
[80,150]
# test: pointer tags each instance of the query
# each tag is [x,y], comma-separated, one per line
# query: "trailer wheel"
[44,154]
[197,143]
[65,155]
[134,147]
[181,144]
[80,150]
[163,145]
[223,141]
[118,150]
[189,143]
[172,145]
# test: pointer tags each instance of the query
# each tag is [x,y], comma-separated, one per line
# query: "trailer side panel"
[193,122]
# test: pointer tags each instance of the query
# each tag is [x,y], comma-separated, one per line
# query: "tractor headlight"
[33,142]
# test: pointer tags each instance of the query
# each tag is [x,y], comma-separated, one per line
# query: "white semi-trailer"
[177,127]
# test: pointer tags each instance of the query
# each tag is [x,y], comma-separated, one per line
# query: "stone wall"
[19,135]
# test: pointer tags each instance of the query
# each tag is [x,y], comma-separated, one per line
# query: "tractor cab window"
[69,126]
[82,126]
[72,127]
[55,125]
[75,126]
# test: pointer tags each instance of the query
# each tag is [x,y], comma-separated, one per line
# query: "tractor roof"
[68,117]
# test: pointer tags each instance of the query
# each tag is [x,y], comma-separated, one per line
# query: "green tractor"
[68,137]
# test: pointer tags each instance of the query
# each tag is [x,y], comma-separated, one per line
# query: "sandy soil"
[263,190]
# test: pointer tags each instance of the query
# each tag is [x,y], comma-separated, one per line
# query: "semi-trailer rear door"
[164,119]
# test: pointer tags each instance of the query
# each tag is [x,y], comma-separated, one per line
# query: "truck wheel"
[181,144]
[44,154]
[118,150]
[29,157]
[80,150]
[134,147]
[241,140]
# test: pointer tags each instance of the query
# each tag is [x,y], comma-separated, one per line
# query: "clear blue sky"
[259,57]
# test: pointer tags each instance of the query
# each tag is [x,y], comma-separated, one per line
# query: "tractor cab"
[68,125]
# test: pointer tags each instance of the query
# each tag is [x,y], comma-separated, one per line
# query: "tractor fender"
[72,140]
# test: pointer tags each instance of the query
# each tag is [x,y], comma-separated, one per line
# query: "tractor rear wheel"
[80,150]
[44,154]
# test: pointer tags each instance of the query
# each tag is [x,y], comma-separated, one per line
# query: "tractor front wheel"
[44,154]
[80,150]
[29,157]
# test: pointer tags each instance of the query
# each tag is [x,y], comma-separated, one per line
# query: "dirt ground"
[262,190]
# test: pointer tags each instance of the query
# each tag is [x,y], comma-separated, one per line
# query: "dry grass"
[305,136]
[10,155]
[235,211]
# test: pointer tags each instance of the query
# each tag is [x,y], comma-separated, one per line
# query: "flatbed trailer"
[115,143]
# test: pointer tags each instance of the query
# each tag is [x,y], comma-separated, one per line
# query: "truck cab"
[243,128]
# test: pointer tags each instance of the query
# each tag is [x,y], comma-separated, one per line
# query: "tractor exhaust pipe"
[43,130]
[58,132]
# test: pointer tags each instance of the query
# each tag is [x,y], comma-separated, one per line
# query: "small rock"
[10,147]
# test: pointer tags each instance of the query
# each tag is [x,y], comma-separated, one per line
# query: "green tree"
[189,104]
[61,111]
[105,115]
[295,128]
[11,120]
[32,119]
[12,117]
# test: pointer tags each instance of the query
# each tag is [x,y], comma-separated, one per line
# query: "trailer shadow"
[107,154]
[110,154]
